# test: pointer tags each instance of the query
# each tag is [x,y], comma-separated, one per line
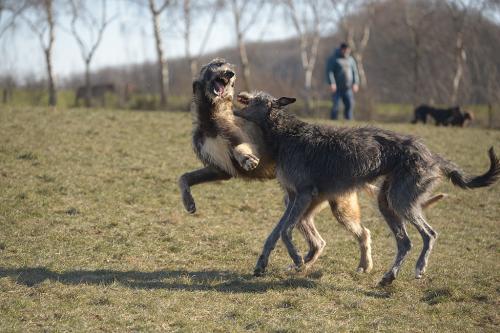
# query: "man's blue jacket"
[341,71]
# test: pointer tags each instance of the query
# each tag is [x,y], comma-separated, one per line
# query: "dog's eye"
[218,64]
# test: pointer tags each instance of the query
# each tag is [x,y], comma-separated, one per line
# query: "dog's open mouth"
[220,85]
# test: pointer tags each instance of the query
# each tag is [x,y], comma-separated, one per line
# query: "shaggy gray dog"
[315,162]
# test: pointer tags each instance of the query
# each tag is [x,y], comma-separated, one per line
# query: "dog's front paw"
[188,201]
[248,162]
[293,268]
[260,267]
[259,271]
[387,279]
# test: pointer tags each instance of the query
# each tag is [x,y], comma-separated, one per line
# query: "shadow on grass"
[221,281]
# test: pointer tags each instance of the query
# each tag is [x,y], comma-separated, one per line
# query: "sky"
[128,39]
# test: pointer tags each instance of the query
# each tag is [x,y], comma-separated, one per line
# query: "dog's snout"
[228,74]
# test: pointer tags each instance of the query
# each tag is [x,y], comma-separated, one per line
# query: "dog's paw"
[189,204]
[259,271]
[248,162]
[365,267]
[419,273]
[387,279]
[294,269]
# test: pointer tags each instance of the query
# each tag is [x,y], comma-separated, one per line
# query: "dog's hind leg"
[297,208]
[346,211]
[429,237]
[397,226]
[310,233]
[406,198]
[199,176]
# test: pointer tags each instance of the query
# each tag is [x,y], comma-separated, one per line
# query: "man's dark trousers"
[347,97]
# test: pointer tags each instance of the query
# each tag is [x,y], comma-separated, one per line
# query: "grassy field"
[93,237]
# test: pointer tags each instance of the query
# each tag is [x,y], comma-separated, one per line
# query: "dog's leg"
[246,157]
[310,233]
[273,237]
[429,237]
[243,151]
[199,176]
[396,224]
[298,207]
[346,211]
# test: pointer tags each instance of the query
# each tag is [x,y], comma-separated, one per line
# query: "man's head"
[216,80]
[345,50]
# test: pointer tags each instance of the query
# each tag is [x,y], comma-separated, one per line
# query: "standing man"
[342,76]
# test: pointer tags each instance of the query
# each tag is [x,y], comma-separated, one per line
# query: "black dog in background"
[452,116]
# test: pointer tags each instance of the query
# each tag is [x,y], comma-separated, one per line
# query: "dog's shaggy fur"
[316,163]
[452,116]
[230,146]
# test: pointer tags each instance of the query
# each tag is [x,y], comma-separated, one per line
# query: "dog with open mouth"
[220,139]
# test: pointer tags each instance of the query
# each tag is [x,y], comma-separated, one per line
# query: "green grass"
[36,97]
[379,112]
[93,237]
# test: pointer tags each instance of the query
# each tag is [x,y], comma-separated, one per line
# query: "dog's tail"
[452,172]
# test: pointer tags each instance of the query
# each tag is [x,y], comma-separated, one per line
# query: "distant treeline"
[419,51]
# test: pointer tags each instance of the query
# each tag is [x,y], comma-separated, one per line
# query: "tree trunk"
[308,90]
[363,82]
[193,65]
[50,75]
[88,92]
[187,38]
[308,63]
[48,53]
[245,66]
[162,62]
[460,58]
[490,115]
[359,56]
[416,69]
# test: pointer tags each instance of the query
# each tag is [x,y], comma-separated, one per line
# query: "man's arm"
[330,77]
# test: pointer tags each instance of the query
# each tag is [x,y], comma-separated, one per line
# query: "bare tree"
[415,16]
[190,7]
[460,11]
[95,27]
[10,12]
[39,16]
[307,27]
[356,28]
[163,75]
[244,17]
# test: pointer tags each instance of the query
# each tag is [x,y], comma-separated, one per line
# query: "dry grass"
[93,236]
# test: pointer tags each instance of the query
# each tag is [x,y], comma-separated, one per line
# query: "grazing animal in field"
[315,163]
[96,91]
[452,116]
[230,146]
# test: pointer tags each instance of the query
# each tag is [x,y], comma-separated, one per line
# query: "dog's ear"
[244,98]
[196,86]
[284,101]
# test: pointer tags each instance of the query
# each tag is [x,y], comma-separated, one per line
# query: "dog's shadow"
[221,281]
